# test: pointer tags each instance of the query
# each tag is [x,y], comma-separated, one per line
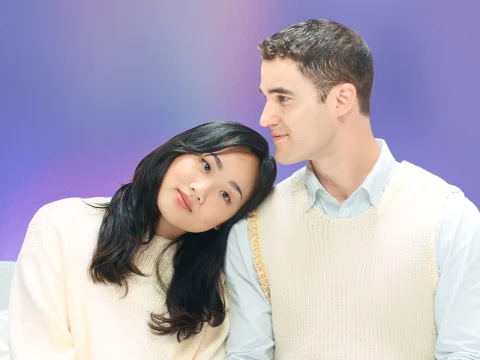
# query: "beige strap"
[254,236]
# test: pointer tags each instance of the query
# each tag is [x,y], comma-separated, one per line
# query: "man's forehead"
[280,69]
[278,65]
[279,75]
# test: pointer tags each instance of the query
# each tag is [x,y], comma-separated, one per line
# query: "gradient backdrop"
[88,88]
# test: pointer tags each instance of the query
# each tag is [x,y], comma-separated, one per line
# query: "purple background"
[89,88]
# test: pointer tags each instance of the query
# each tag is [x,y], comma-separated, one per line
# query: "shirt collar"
[374,184]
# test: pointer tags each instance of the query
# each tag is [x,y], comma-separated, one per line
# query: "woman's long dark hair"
[194,295]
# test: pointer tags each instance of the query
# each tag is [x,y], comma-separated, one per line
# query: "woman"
[140,276]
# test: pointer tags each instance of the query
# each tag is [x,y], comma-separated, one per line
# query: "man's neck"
[346,167]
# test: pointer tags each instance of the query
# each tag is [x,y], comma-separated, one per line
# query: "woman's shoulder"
[66,221]
[70,210]
[74,205]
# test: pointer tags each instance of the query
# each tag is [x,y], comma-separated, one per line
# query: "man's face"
[302,127]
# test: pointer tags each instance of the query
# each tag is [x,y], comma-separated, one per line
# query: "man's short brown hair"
[327,53]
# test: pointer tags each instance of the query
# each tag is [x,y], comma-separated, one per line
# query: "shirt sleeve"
[251,332]
[39,327]
[457,299]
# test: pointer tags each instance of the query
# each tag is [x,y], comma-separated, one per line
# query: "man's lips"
[278,136]
[184,201]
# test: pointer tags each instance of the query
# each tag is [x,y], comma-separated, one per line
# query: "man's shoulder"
[295,177]
[290,189]
[434,181]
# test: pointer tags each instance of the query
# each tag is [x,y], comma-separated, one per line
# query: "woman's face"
[200,192]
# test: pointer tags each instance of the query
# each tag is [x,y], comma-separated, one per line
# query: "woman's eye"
[226,196]
[206,166]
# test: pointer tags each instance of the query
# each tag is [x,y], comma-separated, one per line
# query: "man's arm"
[457,299]
[251,333]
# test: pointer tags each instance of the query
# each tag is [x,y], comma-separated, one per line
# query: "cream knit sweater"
[57,312]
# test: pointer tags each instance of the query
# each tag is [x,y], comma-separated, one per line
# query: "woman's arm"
[39,327]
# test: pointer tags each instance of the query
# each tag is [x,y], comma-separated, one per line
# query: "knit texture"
[57,312]
[357,288]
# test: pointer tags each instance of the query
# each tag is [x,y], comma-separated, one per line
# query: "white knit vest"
[358,288]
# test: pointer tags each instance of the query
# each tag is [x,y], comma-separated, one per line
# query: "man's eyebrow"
[278,90]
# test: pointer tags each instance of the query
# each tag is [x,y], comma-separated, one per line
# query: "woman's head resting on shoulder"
[204,176]
[201,191]
[192,189]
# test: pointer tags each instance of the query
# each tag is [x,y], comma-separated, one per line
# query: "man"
[355,256]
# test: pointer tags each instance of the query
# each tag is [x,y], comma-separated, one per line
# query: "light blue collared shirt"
[457,298]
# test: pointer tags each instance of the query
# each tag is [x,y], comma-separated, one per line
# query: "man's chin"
[285,159]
